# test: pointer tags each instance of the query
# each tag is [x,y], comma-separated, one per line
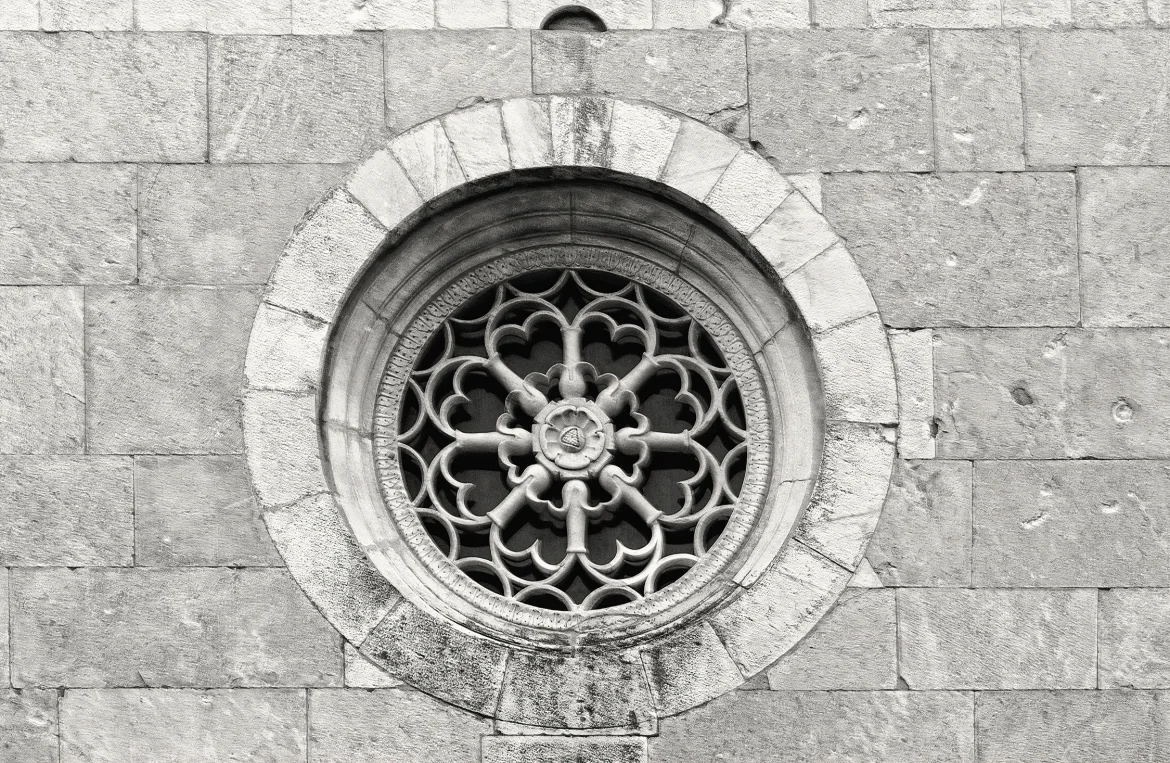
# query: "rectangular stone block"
[295,99]
[198,511]
[209,224]
[853,647]
[42,378]
[617,14]
[953,14]
[20,14]
[1110,14]
[554,749]
[111,98]
[978,107]
[87,15]
[1124,217]
[67,223]
[347,725]
[4,655]
[471,14]
[1132,638]
[697,73]
[913,353]
[214,16]
[1096,524]
[818,726]
[1052,393]
[360,673]
[1062,726]
[68,511]
[149,725]
[430,73]
[28,726]
[962,249]
[165,368]
[343,16]
[1037,13]
[842,100]
[924,535]
[997,639]
[209,627]
[1092,97]
[841,14]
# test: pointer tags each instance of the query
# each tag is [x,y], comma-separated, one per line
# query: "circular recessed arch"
[347,290]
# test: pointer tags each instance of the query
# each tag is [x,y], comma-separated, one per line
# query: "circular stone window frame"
[790,580]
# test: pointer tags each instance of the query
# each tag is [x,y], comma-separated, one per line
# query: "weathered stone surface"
[701,75]
[477,135]
[955,14]
[383,188]
[748,191]
[430,73]
[528,129]
[110,98]
[28,726]
[149,725]
[1125,238]
[67,511]
[285,351]
[360,673]
[1092,97]
[617,14]
[165,368]
[913,353]
[4,659]
[1052,393]
[842,100]
[698,159]
[841,14]
[689,668]
[966,249]
[642,139]
[193,627]
[20,14]
[1097,524]
[1037,13]
[829,290]
[87,15]
[553,749]
[997,639]
[1109,14]
[208,224]
[601,689]
[326,105]
[579,130]
[67,223]
[344,16]
[471,14]
[814,726]
[793,234]
[198,511]
[426,154]
[390,724]
[924,535]
[858,372]
[214,16]
[42,384]
[978,111]
[1132,641]
[853,647]
[1060,726]
[284,449]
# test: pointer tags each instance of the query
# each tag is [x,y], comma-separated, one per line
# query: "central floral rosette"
[573,438]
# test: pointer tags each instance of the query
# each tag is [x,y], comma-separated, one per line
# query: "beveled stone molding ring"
[569,397]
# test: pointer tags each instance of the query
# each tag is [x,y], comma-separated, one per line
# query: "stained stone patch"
[689,668]
[360,673]
[28,725]
[1132,647]
[557,749]
[143,726]
[603,690]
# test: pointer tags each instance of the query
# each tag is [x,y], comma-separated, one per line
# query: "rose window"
[571,439]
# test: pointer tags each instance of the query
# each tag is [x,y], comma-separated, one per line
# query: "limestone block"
[748,191]
[323,257]
[4,653]
[165,368]
[1059,726]
[1096,524]
[978,107]
[430,73]
[809,185]
[997,639]
[471,14]
[477,135]
[428,158]
[28,726]
[954,14]
[686,14]
[149,725]
[732,15]
[698,159]
[326,105]
[793,234]
[913,353]
[600,689]
[688,669]
[197,511]
[528,128]
[556,749]
[445,662]
[579,129]
[110,98]
[283,448]
[1037,13]
[699,74]
[841,14]
[204,627]
[383,188]
[842,100]
[42,384]
[1110,14]
[20,14]
[1052,393]
[642,139]
[1124,235]
[857,371]
[68,511]
[830,290]
[285,351]
[390,724]
[214,16]
[924,535]
[360,673]
[818,726]
[617,14]
[215,224]
[87,15]
[962,249]
[853,647]
[1093,97]
[345,16]
[67,223]
[1133,624]
[322,556]
[847,501]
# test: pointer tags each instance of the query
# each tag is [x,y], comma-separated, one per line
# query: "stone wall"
[1000,189]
